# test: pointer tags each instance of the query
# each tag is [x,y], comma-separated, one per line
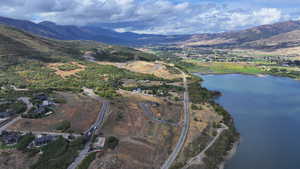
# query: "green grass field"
[221,67]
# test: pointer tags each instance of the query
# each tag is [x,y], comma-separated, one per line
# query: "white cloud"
[146,16]
[260,17]
[268,15]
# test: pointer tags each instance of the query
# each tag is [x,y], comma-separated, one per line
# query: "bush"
[195,107]
[25,141]
[87,161]
[120,116]
[199,94]
[59,154]
[68,67]
[64,125]
[112,142]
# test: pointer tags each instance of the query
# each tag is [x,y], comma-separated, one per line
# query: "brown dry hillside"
[18,46]
[243,38]
[284,40]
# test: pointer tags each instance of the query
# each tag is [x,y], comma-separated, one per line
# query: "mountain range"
[278,35]
[18,46]
[272,36]
[70,32]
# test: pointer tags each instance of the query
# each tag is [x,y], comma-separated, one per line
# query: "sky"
[156,16]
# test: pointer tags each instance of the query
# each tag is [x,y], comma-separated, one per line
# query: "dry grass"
[13,159]
[196,42]
[200,119]
[155,68]
[143,143]
[80,110]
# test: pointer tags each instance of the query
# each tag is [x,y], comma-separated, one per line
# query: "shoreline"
[249,74]
[262,75]
[230,154]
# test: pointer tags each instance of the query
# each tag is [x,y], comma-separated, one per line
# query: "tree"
[112,142]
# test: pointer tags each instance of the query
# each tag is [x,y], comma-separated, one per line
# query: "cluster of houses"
[41,140]
[143,92]
[149,92]
[42,106]
[12,138]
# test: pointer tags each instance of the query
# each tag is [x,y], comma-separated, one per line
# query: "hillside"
[18,46]
[70,32]
[244,38]
[283,40]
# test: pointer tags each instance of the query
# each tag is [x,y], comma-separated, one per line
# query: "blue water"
[266,111]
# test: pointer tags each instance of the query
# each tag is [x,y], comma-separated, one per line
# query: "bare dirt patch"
[81,111]
[64,74]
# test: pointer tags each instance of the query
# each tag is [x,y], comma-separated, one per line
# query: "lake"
[266,111]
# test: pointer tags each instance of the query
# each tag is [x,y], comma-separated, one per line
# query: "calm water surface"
[267,114]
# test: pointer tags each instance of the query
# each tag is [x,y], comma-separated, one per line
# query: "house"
[40,110]
[47,103]
[10,137]
[43,139]
[41,97]
[99,143]
[5,114]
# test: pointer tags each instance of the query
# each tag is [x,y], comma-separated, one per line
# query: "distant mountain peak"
[47,23]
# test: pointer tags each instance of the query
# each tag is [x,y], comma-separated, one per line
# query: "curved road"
[199,158]
[148,113]
[184,132]
[90,132]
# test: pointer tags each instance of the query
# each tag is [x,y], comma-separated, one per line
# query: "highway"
[184,132]
[89,133]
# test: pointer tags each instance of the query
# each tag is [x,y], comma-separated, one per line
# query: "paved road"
[199,158]
[26,100]
[5,124]
[148,113]
[89,56]
[18,89]
[90,132]
[184,132]
[65,135]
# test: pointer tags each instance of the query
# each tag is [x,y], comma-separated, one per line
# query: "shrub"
[25,141]
[64,125]
[112,142]
[59,154]
[87,161]
[120,116]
